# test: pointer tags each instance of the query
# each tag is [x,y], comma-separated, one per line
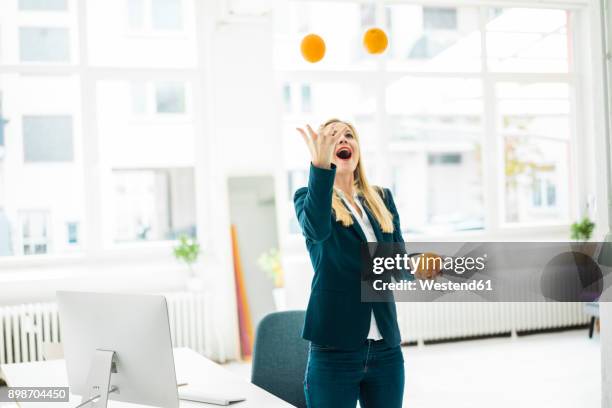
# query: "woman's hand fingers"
[335,131]
[312,133]
[308,141]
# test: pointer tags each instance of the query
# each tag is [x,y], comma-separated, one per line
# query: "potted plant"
[270,263]
[188,251]
[581,232]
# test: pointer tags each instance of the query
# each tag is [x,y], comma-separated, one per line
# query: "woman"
[355,346]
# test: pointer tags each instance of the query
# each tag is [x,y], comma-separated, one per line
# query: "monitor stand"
[104,363]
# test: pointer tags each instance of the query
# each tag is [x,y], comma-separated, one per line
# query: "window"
[534,120]
[153,204]
[72,232]
[6,245]
[439,18]
[287,98]
[158,98]
[47,138]
[68,164]
[154,14]
[433,39]
[136,13]
[166,14]
[528,40]
[437,108]
[149,159]
[44,44]
[306,99]
[41,174]
[43,5]
[435,143]
[34,232]
[170,97]
[142,33]
[304,104]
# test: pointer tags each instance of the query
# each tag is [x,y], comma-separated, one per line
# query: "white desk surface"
[191,367]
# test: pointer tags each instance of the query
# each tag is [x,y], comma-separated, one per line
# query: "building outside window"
[78,146]
[35,234]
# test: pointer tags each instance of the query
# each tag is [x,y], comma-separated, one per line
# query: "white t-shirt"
[366,227]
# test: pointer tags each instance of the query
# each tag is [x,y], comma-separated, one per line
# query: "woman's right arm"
[313,204]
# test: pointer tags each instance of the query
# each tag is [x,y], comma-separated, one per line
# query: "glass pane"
[150,205]
[342,36]
[166,14]
[44,44]
[47,138]
[444,111]
[147,163]
[528,40]
[142,33]
[41,173]
[45,5]
[136,14]
[436,165]
[433,38]
[534,120]
[170,97]
[72,232]
[38,31]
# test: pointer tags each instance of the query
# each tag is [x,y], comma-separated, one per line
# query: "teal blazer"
[335,315]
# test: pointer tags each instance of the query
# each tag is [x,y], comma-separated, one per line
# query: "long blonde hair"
[371,194]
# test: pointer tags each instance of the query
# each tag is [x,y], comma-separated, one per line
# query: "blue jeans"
[373,374]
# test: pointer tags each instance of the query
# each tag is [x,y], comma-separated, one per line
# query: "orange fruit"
[375,41]
[430,265]
[313,48]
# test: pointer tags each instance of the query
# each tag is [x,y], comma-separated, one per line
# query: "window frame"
[492,147]
[94,244]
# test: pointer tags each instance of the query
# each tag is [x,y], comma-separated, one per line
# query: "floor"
[560,370]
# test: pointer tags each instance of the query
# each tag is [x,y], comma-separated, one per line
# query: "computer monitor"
[136,329]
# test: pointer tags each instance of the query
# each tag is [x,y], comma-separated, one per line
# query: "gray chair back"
[280,356]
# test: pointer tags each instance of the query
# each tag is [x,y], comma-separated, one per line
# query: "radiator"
[440,321]
[24,328]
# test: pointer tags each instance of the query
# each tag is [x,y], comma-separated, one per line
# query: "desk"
[191,367]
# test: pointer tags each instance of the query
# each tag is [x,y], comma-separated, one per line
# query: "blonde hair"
[371,194]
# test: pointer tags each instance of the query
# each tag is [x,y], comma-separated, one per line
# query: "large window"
[96,151]
[462,96]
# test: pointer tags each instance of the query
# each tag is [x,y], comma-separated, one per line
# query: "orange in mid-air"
[375,41]
[313,48]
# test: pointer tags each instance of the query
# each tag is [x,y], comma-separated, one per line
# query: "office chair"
[280,356]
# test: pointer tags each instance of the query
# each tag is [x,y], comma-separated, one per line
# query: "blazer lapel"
[373,221]
[356,227]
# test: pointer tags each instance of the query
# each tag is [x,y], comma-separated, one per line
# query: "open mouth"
[344,153]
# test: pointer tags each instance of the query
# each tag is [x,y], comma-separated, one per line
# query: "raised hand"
[322,146]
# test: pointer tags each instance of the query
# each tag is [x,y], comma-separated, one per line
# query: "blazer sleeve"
[397,229]
[313,204]
[397,233]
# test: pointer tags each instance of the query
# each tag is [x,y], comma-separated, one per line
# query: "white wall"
[245,104]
